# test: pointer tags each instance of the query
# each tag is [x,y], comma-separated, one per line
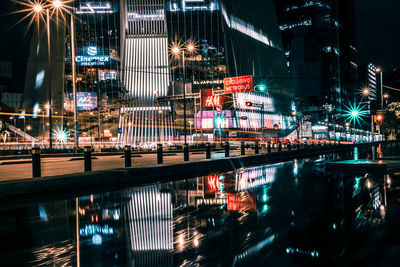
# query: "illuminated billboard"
[92,56]
[85,101]
[238,84]
[210,100]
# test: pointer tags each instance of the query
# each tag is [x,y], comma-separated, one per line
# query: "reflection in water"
[281,214]
[150,219]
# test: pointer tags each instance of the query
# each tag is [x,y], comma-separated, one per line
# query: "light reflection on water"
[281,214]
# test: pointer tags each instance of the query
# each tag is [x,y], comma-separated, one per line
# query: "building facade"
[229,39]
[319,42]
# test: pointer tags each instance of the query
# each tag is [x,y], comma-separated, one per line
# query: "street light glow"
[57,3]
[365,91]
[354,113]
[175,50]
[378,69]
[38,8]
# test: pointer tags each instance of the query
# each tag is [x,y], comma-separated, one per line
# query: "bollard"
[280,147]
[269,147]
[185,152]
[242,149]
[128,156]
[87,154]
[256,148]
[36,171]
[226,149]
[208,151]
[159,154]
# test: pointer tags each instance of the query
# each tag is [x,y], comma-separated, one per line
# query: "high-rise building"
[318,38]
[127,69]
[229,38]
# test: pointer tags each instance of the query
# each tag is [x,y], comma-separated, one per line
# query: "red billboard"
[240,201]
[210,100]
[238,84]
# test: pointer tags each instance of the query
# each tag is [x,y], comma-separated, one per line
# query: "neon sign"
[95,229]
[212,101]
[92,57]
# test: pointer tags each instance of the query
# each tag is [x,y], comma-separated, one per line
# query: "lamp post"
[36,10]
[190,48]
[354,113]
[380,70]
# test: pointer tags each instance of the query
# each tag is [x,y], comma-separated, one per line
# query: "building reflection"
[290,210]
[150,221]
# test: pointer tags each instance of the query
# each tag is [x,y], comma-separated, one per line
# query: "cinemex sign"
[91,57]
[238,84]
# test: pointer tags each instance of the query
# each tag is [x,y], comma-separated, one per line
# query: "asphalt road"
[22,169]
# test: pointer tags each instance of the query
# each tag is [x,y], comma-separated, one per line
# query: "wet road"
[285,214]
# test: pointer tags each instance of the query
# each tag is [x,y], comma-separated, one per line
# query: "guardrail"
[293,148]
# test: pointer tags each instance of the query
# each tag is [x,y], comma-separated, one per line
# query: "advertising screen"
[238,84]
[92,56]
[85,101]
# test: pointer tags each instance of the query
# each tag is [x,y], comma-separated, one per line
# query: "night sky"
[378,34]
[377,23]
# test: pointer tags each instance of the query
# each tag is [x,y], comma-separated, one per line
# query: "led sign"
[210,100]
[92,57]
[92,60]
[94,8]
[95,229]
[238,84]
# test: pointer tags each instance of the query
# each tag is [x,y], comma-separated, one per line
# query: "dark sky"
[378,32]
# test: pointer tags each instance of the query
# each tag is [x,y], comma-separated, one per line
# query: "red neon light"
[213,182]
[238,84]
[212,101]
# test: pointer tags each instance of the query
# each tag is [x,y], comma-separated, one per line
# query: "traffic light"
[262,88]
[378,119]
[249,104]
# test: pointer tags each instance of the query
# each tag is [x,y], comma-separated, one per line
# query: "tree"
[391,120]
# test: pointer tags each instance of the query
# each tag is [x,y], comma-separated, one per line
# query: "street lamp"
[365,91]
[354,113]
[35,9]
[386,97]
[380,70]
[177,50]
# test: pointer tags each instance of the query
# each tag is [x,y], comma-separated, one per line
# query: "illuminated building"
[123,53]
[319,42]
[226,41]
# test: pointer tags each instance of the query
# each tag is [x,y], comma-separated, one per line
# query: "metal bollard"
[36,171]
[269,147]
[128,156]
[256,148]
[208,151]
[242,149]
[185,152]
[87,154]
[159,154]
[226,149]
[280,147]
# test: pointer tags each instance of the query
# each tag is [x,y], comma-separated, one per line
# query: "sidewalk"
[22,168]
